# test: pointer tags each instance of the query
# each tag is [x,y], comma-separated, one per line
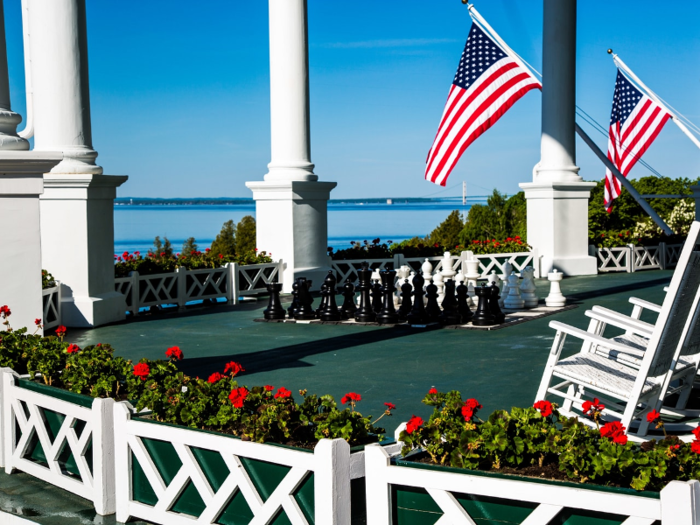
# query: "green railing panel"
[140,486]
[237,512]
[189,502]
[304,497]
[213,466]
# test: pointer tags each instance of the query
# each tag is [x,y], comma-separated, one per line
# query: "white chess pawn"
[427,269]
[447,271]
[471,276]
[440,283]
[513,301]
[459,278]
[401,276]
[507,270]
[555,297]
[528,289]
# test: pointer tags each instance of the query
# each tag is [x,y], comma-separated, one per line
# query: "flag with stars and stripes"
[488,82]
[635,122]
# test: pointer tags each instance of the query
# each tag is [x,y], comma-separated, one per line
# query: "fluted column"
[9,140]
[291,205]
[557,199]
[77,207]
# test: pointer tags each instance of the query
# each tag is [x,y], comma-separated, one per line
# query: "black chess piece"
[347,311]
[321,306]
[377,299]
[498,315]
[330,311]
[417,314]
[365,313]
[274,308]
[432,309]
[450,312]
[463,303]
[305,312]
[295,301]
[406,303]
[388,314]
[483,316]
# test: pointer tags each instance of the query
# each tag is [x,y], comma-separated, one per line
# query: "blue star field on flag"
[480,53]
[625,100]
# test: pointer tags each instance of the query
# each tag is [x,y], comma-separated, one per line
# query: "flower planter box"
[62,438]
[175,475]
[401,492]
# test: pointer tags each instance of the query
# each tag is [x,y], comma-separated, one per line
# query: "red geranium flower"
[696,432]
[142,370]
[390,406]
[470,408]
[413,424]
[545,408]
[174,352]
[432,391]
[595,406]
[695,446]
[653,416]
[233,368]
[283,393]
[237,396]
[5,311]
[352,397]
[216,376]
[61,331]
[269,388]
[221,256]
[72,349]
[37,322]
[615,431]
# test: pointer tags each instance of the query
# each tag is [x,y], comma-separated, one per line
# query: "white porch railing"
[487,263]
[633,258]
[183,286]
[677,504]
[62,443]
[51,298]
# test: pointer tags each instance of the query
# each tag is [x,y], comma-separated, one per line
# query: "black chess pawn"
[330,311]
[388,314]
[432,309]
[274,308]
[450,312]
[417,314]
[463,303]
[347,311]
[295,301]
[483,316]
[498,315]
[321,306]
[365,313]
[406,303]
[377,297]
[305,312]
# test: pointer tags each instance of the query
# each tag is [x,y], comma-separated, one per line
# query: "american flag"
[488,82]
[635,122]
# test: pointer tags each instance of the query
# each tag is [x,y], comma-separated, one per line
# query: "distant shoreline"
[226,201]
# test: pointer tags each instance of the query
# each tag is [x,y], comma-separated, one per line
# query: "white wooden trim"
[51,298]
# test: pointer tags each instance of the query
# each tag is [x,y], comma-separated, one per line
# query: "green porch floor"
[500,368]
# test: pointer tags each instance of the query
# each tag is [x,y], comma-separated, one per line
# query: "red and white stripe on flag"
[635,121]
[488,82]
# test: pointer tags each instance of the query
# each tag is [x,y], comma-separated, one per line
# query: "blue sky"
[180,94]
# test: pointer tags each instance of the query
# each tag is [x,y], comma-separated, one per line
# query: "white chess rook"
[555,297]
[513,300]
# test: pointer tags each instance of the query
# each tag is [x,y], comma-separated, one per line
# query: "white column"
[9,140]
[77,216]
[291,205]
[557,199]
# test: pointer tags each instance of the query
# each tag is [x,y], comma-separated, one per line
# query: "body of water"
[135,227]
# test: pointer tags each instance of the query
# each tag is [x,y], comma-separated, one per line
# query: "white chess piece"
[440,283]
[460,278]
[507,270]
[401,275]
[555,297]
[427,269]
[513,301]
[472,275]
[447,271]
[528,289]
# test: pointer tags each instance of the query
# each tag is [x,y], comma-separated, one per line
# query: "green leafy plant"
[47,280]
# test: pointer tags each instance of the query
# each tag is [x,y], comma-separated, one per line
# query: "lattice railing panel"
[51,298]
[648,257]
[348,269]
[673,253]
[614,259]
[125,286]
[206,284]
[158,289]
[254,278]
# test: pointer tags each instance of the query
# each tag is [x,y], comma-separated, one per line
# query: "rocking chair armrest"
[645,304]
[595,339]
[619,320]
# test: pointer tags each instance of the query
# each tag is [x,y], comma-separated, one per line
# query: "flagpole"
[619,63]
[480,20]
[623,180]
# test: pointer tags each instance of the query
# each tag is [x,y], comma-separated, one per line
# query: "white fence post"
[181,287]
[376,487]
[398,260]
[122,461]
[103,456]
[230,289]
[8,427]
[235,283]
[680,503]
[332,482]
[3,372]
[632,261]
[536,263]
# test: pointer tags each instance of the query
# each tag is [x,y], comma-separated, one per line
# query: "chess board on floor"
[513,317]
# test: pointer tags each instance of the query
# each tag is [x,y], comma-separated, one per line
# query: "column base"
[292,225]
[557,225]
[87,312]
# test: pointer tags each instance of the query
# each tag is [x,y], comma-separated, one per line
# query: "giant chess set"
[422,299]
